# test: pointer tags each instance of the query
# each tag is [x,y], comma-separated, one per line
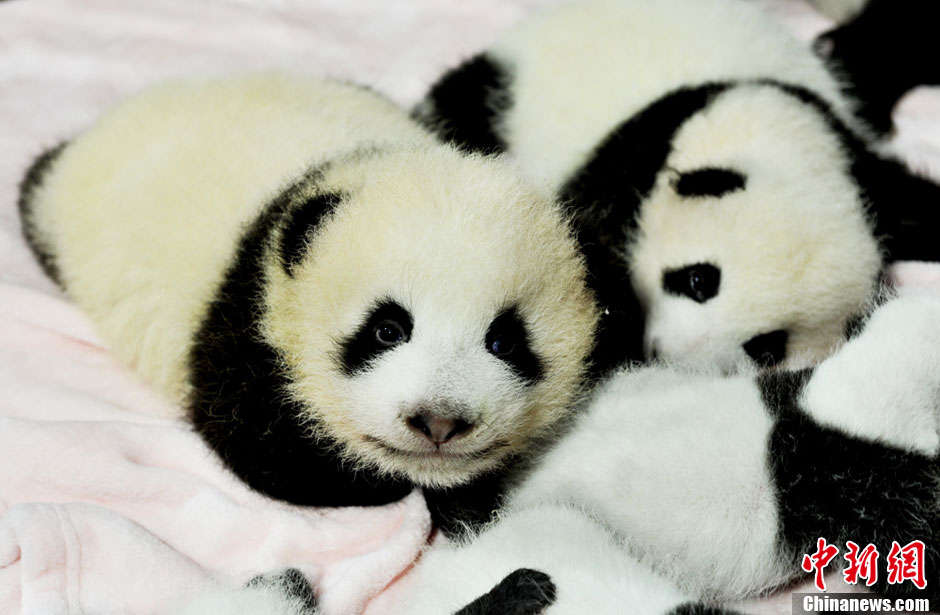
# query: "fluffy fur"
[714,165]
[720,485]
[344,306]
[676,486]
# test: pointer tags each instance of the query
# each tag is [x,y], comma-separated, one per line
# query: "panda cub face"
[753,244]
[430,331]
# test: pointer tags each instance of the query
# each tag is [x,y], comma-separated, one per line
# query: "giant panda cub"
[675,485]
[714,166]
[344,307]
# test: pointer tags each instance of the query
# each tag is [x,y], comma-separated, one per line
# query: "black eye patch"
[508,341]
[300,222]
[698,282]
[709,182]
[388,325]
[767,349]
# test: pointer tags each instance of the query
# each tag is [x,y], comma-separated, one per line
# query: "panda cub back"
[732,207]
[344,307]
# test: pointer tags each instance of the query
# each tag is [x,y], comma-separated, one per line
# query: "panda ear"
[299,223]
[465,106]
[878,75]
[522,592]
[904,206]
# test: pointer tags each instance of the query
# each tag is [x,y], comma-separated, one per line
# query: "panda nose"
[438,429]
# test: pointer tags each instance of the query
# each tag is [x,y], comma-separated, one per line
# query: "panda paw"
[292,585]
[884,384]
[284,593]
[521,592]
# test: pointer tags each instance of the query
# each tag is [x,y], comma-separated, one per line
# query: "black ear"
[882,53]
[300,222]
[904,206]
[465,105]
[522,592]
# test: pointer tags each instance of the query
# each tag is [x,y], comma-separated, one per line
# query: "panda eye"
[501,346]
[508,341]
[390,333]
[387,326]
[698,282]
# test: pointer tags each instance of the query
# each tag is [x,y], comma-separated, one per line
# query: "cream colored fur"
[454,254]
[583,68]
[794,247]
[144,212]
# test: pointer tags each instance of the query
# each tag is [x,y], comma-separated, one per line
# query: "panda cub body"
[675,486]
[682,492]
[724,189]
[343,307]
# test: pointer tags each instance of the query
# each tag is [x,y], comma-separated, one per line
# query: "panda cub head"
[428,327]
[752,244]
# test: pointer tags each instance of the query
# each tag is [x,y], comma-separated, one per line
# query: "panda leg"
[550,558]
[854,449]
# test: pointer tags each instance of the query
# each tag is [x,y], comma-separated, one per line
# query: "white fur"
[262,600]
[675,462]
[587,564]
[670,467]
[885,385]
[794,249]
[144,212]
[583,68]
[660,494]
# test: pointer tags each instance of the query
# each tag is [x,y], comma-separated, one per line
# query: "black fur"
[291,582]
[882,53]
[854,326]
[362,347]
[709,182]
[240,403]
[768,349]
[840,487]
[698,608]
[28,185]
[605,195]
[509,331]
[300,223]
[465,106]
[622,170]
[781,391]
[465,509]
[522,592]
[699,282]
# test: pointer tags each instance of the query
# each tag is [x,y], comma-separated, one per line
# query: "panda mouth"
[441,452]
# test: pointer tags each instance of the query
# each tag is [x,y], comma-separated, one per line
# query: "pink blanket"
[108,504]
